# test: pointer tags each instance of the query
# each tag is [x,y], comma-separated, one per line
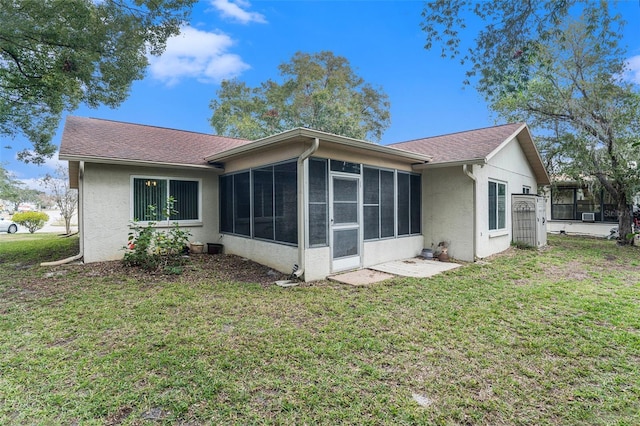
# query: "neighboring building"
[578,208]
[324,202]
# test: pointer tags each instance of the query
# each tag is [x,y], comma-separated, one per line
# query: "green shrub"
[31,220]
[156,249]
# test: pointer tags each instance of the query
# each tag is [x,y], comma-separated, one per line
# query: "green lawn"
[529,337]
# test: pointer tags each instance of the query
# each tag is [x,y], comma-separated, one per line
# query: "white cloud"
[236,10]
[49,167]
[33,183]
[633,69]
[53,163]
[196,54]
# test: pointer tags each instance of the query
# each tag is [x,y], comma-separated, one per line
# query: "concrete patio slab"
[416,267]
[360,277]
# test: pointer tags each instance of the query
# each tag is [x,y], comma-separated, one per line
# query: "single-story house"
[324,202]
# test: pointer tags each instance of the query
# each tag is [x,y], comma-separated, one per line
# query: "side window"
[155,191]
[497,205]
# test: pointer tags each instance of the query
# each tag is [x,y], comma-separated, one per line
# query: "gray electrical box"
[529,223]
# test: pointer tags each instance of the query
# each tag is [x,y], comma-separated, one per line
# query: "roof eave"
[457,163]
[291,135]
[542,177]
[145,163]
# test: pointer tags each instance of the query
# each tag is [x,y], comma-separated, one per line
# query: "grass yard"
[525,338]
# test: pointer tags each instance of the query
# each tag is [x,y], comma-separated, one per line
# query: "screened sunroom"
[338,207]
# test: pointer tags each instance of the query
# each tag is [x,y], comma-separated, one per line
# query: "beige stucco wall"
[509,166]
[280,257]
[447,203]
[379,251]
[447,211]
[339,153]
[265,157]
[318,259]
[317,263]
[106,206]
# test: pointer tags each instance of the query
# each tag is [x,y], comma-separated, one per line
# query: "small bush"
[156,249]
[31,220]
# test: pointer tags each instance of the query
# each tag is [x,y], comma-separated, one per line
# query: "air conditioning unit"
[588,217]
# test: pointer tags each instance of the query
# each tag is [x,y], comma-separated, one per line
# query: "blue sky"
[235,38]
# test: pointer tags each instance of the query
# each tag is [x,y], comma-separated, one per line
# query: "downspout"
[469,173]
[80,255]
[302,206]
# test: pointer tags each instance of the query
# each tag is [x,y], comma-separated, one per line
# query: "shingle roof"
[113,140]
[461,146]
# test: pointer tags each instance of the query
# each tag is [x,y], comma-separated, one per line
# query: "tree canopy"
[57,54]
[319,91]
[511,28]
[14,191]
[563,76]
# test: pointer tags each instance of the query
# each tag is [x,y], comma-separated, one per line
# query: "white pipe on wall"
[469,173]
[302,205]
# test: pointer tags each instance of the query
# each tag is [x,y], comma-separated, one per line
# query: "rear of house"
[323,202]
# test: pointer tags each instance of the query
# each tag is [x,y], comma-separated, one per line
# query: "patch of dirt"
[52,281]
[222,267]
[118,417]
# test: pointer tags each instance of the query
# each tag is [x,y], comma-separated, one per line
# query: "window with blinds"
[150,196]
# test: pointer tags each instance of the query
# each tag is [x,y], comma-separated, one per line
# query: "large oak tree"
[57,54]
[319,91]
[560,69]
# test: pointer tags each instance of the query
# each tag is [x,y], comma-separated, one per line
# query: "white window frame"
[167,222]
[506,207]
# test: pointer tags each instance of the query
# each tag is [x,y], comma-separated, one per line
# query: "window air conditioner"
[588,217]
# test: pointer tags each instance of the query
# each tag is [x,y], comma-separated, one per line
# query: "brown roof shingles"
[113,140]
[462,146]
[96,138]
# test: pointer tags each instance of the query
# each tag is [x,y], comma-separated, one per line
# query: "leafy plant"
[31,220]
[156,249]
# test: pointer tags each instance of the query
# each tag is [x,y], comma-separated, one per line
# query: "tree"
[57,54]
[65,198]
[566,82]
[511,28]
[31,220]
[319,91]
[14,191]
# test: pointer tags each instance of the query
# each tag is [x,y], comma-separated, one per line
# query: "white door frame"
[353,261]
